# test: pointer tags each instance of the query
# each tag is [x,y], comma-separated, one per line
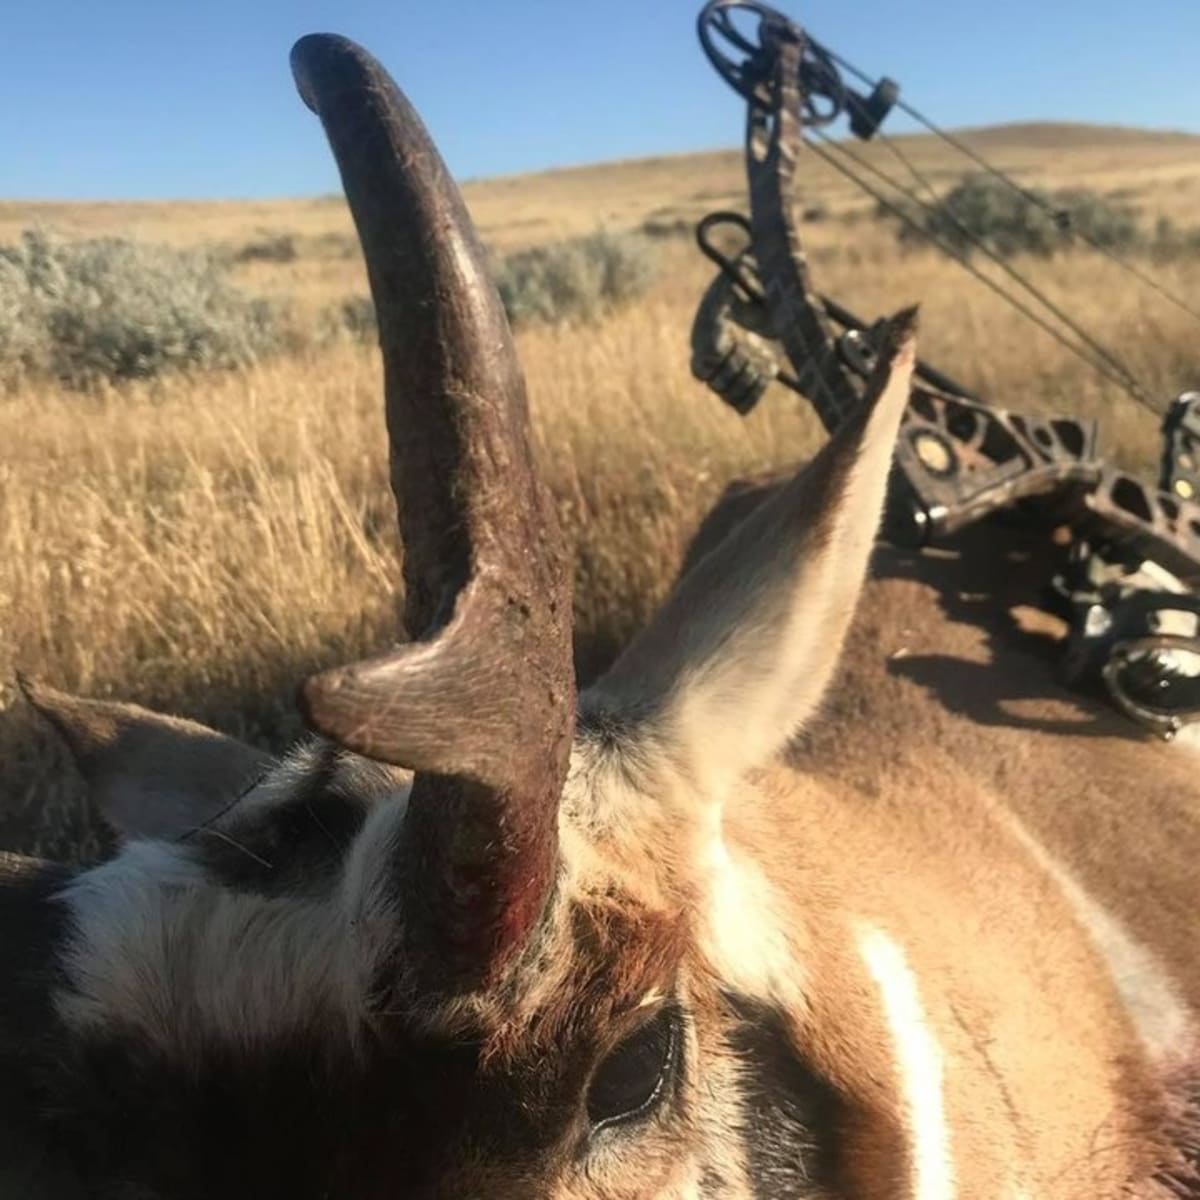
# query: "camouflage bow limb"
[765,291]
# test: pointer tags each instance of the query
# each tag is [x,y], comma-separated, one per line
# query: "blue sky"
[160,98]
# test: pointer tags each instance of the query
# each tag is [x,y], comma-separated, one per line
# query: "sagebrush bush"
[1172,241]
[270,247]
[333,245]
[356,319]
[577,279]
[22,334]
[1006,222]
[667,226]
[114,308]
[1098,219]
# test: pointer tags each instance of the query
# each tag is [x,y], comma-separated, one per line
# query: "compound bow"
[1130,590]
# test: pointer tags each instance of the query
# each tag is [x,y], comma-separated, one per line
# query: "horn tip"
[313,54]
[309,49]
[316,697]
[332,704]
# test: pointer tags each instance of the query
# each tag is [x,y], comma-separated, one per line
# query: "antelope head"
[484,937]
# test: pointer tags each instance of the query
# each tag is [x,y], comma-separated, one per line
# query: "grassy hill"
[1159,169]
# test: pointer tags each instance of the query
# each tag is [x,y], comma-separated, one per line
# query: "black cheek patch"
[1180,1176]
[290,1121]
[295,848]
[790,1115]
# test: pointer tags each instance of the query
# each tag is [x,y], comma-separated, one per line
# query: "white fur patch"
[159,949]
[743,938]
[919,1064]
[689,1187]
[1164,1023]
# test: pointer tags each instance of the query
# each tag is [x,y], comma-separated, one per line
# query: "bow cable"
[1031,197]
[1113,369]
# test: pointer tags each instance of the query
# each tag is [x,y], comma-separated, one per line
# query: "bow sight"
[1129,589]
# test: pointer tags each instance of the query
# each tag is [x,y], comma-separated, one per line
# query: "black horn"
[481,702]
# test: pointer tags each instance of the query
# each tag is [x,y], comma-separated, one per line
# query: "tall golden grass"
[200,543]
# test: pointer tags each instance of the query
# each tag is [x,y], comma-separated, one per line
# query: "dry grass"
[201,543]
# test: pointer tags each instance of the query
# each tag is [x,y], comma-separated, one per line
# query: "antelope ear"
[149,775]
[740,653]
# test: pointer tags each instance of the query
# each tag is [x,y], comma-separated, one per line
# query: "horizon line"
[466,181]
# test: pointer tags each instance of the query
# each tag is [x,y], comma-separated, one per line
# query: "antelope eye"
[632,1080]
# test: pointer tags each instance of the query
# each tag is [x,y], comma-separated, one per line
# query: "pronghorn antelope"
[644,942]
